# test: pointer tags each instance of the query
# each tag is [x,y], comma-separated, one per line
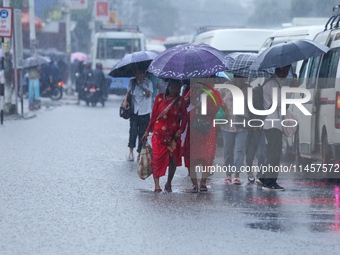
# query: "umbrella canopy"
[284,54]
[35,61]
[79,56]
[127,65]
[241,63]
[189,61]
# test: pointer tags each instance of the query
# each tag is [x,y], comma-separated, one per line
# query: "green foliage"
[16,4]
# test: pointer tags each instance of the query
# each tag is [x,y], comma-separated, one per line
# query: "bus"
[110,45]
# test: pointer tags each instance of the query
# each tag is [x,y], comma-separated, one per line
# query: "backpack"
[258,102]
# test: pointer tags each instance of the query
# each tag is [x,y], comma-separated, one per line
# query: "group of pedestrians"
[173,138]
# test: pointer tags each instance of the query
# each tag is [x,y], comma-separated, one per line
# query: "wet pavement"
[66,188]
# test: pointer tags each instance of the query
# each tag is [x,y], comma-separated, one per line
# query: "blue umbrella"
[189,61]
[241,63]
[127,66]
[285,54]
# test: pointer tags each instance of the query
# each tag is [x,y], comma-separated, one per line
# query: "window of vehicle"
[116,48]
[329,68]
[302,72]
[312,72]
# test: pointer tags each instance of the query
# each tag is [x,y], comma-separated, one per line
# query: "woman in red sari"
[167,129]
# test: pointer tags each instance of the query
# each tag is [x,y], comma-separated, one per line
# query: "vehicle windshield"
[116,48]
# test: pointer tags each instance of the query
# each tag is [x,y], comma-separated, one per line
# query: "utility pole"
[32,28]
[8,107]
[68,45]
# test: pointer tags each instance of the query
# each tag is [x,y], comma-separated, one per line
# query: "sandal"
[167,188]
[194,190]
[237,181]
[203,188]
[251,177]
[227,180]
[158,190]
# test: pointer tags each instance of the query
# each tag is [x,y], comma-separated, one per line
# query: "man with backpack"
[273,130]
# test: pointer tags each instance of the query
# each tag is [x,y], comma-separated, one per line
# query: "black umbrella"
[127,66]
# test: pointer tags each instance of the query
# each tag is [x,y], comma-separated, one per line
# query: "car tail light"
[60,83]
[337,110]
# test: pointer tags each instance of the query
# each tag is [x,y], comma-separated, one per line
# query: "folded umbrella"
[284,54]
[241,63]
[189,61]
[127,66]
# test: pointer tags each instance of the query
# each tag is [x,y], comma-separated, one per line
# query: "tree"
[312,8]
[269,13]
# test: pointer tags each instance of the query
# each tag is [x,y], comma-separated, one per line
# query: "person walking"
[140,89]
[167,130]
[235,135]
[273,129]
[33,88]
[202,146]
[100,81]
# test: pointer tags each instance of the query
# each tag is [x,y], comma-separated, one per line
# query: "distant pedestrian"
[33,88]
[140,89]
[167,130]
[100,81]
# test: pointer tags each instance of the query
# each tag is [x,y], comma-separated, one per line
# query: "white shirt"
[141,104]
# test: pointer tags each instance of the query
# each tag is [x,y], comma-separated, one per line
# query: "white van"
[232,40]
[318,137]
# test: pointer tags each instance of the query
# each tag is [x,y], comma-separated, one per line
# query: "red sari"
[162,129]
[203,146]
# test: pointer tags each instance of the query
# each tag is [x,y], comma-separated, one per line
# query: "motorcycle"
[55,92]
[93,95]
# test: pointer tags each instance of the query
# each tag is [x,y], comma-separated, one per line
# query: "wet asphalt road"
[66,188]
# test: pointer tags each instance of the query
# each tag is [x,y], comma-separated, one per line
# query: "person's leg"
[229,144]
[157,187]
[171,173]
[274,138]
[260,154]
[30,93]
[37,89]
[240,149]
[132,134]
[251,147]
[143,122]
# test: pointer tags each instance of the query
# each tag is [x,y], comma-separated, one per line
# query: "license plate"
[118,82]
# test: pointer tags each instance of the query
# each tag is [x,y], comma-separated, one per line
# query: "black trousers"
[138,126]
[273,156]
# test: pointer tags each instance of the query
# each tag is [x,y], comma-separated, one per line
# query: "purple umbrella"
[128,64]
[189,61]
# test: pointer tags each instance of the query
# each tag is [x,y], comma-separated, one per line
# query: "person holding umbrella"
[167,130]
[140,89]
[280,57]
[134,65]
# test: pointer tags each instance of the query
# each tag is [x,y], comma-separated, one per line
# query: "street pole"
[32,28]
[8,107]
[68,47]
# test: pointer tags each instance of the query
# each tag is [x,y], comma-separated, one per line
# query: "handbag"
[201,124]
[290,130]
[127,113]
[144,169]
